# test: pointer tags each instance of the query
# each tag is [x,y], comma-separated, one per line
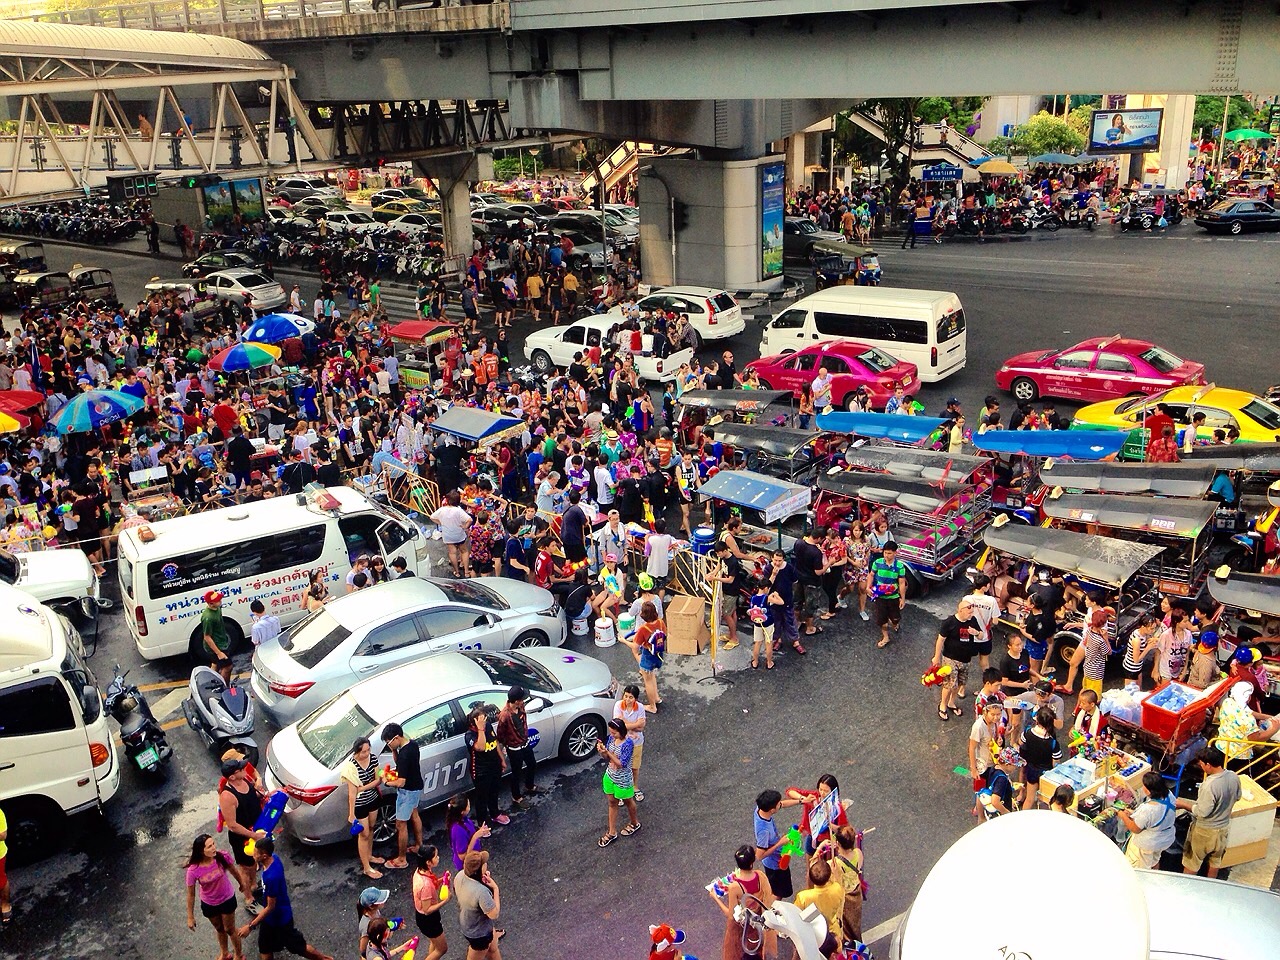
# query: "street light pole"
[1222,134]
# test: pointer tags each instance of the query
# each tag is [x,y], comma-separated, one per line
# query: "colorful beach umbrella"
[89,411]
[245,356]
[272,328]
[1247,133]
[10,422]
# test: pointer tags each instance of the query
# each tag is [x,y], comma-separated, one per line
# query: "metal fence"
[191,14]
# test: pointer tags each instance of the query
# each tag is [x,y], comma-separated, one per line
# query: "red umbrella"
[19,399]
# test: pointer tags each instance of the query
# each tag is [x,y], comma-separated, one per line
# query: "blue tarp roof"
[1077,444]
[746,488]
[471,424]
[881,426]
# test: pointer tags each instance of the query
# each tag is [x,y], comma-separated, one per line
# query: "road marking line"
[163,685]
[168,703]
[882,930]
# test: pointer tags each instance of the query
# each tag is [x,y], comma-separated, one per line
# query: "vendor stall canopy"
[1156,515]
[776,499]
[1158,479]
[1100,560]
[477,426]
[1076,444]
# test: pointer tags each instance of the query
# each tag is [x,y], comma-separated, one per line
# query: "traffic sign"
[942,171]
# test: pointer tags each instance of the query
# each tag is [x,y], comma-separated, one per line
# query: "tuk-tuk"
[1114,571]
[782,452]
[697,408]
[842,264]
[26,255]
[419,346]
[1183,529]
[916,432]
[42,289]
[1021,455]
[1252,617]
[93,283]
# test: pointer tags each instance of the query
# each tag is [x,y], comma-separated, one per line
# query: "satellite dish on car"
[953,915]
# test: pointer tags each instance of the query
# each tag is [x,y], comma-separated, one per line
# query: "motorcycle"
[1042,217]
[221,713]
[144,741]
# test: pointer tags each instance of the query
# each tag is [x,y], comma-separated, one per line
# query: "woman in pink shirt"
[212,871]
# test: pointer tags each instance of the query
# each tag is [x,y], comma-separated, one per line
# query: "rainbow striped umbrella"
[245,356]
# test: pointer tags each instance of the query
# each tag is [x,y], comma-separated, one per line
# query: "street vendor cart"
[420,348]
[764,501]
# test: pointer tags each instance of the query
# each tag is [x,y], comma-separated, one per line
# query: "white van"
[255,551]
[57,753]
[924,327]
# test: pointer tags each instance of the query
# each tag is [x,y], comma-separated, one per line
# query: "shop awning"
[1101,560]
[1170,516]
[1076,444]
[421,331]
[776,499]
[881,426]
[1108,476]
[477,426]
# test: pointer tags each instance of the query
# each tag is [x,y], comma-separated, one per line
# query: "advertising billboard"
[1125,131]
[225,199]
[248,195]
[773,205]
[219,206]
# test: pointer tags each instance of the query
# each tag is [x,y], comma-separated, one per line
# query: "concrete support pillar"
[453,175]
[732,233]
[1167,167]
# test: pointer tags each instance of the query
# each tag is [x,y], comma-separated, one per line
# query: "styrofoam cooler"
[704,539]
[606,635]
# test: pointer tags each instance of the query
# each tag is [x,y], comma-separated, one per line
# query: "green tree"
[1078,119]
[1044,133]
[1208,115]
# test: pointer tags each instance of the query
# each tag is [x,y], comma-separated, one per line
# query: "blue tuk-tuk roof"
[881,426]
[474,425]
[1076,444]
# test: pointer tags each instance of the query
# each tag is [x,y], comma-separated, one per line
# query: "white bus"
[924,327]
[255,551]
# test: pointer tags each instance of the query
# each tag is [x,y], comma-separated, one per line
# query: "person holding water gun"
[239,805]
[769,841]
[430,893]
[827,784]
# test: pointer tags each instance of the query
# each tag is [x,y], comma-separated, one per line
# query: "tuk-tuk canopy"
[734,399]
[834,248]
[1076,444]
[477,426]
[1247,591]
[905,462]
[774,441]
[1102,560]
[422,332]
[881,426]
[776,499]
[1255,457]
[1109,476]
[910,493]
[1157,515]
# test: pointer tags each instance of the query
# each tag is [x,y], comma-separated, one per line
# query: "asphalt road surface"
[115,889]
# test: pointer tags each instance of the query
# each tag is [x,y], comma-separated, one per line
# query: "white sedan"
[555,347]
[713,314]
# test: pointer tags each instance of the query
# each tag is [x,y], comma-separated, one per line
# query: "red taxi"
[851,365]
[1100,368]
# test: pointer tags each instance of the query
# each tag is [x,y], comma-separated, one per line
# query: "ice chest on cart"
[1174,710]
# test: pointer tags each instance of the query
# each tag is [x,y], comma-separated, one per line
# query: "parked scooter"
[222,714]
[1043,217]
[144,741]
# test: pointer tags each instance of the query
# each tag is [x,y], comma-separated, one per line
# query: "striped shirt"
[622,750]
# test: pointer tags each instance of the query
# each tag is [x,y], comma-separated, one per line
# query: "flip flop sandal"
[882,644]
[799,649]
[769,666]
[731,644]
[957,711]
[815,630]
[755,665]
[629,829]
[942,715]
[607,839]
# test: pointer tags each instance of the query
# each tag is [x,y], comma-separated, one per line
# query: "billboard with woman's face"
[1125,131]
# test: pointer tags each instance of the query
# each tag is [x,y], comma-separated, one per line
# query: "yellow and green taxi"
[1257,419]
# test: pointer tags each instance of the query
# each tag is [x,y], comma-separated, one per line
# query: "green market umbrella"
[1247,133]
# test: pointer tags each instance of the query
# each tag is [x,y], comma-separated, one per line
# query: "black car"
[208,263]
[1237,216]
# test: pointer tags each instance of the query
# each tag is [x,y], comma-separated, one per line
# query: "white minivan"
[255,551]
[57,753]
[924,327]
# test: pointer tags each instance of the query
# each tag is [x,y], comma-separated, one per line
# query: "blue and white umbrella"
[89,411]
[274,327]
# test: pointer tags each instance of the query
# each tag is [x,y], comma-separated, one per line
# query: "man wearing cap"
[275,921]
[408,785]
[479,903]
[214,630]
[513,737]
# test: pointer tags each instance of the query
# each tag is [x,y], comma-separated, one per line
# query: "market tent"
[1109,476]
[1247,133]
[1167,515]
[477,426]
[1077,444]
[881,426]
[421,331]
[1061,159]
[1101,560]
[1247,591]
[776,499]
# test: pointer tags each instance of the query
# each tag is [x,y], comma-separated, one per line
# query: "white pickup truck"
[555,347]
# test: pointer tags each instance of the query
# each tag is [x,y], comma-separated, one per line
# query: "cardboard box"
[687,633]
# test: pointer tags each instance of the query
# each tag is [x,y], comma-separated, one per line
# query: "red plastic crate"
[1175,727]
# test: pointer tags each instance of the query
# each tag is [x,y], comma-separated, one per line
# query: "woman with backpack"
[649,644]
[844,852]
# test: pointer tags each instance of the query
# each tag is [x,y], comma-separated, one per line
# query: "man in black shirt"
[730,585]
[327,472]
[955,647]
[298,473]
[408,784]
[782,579]
[239,454]
[808,560]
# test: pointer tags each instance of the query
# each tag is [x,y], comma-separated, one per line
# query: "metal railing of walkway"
[192,14]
